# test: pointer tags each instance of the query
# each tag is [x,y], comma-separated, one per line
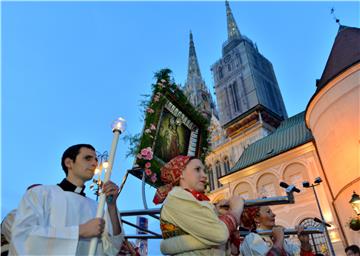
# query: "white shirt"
[256,245]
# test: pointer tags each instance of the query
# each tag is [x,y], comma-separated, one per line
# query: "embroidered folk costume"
[189,223]
[257,245]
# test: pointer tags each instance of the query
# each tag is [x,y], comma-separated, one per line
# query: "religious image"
[173,137]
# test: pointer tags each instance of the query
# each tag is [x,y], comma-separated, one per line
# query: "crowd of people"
[60,219]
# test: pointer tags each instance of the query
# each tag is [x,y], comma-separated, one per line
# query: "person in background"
[276,245]
[6,226]
[352,250]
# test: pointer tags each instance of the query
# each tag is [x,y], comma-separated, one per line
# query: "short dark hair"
[72,152]
[354,248]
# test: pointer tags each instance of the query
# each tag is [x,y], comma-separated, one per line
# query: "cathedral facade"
[255,145]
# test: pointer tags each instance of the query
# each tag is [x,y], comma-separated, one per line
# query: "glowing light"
[119,125]
[105,164]
[334,236]
[97,170]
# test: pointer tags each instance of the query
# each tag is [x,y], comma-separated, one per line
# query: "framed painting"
[172,127]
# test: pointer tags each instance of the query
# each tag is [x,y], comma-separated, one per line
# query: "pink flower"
[148,172]
[150,110]
[147,165]
[153,178]
[146,153]
[139,156]
[156,98]
[147,131]
[152,127]
[160,85]
[149,156]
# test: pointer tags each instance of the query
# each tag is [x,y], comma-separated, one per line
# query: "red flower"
[148,172]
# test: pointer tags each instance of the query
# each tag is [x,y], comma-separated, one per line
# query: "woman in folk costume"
[188,221]
[255,245]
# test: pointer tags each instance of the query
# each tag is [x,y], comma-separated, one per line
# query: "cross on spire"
[332,11]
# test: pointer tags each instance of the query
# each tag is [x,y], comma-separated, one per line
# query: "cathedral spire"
[233,31]
[193,67]
[195,88]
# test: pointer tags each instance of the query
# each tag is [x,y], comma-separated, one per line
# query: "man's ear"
[68,163]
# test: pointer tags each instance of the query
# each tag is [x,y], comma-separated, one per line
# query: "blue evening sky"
[70,68]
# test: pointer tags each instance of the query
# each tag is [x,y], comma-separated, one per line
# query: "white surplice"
[47,223]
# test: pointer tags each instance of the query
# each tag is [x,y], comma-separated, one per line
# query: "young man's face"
[84,165]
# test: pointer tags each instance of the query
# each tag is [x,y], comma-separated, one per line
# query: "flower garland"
[163,89]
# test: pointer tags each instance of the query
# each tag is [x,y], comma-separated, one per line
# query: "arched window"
[211,177]
[218,173]
[238,59]
[226,165]
[295,174]
[244,189]
[267,185]
[317,241]
[234,93]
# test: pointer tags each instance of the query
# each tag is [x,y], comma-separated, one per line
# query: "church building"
[255,145]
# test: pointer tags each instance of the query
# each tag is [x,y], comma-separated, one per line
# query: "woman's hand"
[236,207]
[304,239]
[278,236]
[222,207]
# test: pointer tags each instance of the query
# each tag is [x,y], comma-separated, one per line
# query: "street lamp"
[317,182]
[355,203]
